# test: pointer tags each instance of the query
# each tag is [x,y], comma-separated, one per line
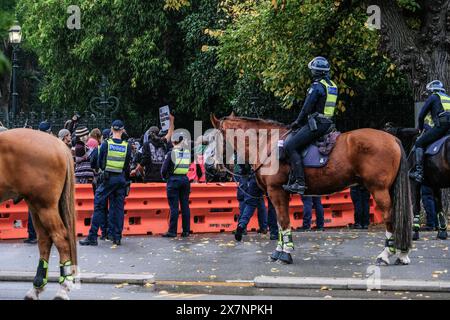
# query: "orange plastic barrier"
[214,208]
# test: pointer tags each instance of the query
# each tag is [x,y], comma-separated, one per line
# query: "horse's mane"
[256,120]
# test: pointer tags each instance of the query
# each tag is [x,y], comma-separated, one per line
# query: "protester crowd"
[150,158]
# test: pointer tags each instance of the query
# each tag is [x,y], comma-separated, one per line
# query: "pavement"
[216,264]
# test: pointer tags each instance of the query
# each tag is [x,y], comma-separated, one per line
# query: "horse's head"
[247,140]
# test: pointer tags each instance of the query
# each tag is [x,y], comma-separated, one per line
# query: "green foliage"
[120,39]
[411,5]
[6,20]
[275,49]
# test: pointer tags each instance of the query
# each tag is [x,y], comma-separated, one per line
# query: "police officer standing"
[114,163]
[313,122]
[175,168]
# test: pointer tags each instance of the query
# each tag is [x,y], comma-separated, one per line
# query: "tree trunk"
[422,54]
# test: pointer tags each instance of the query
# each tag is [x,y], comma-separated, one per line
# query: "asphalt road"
[217,257]
[17,290]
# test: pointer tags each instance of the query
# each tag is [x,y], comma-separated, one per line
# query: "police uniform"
[175,168]
[254,200]
[313,122]
[438,106]
[114,161]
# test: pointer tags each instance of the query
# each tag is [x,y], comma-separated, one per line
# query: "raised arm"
[171,128]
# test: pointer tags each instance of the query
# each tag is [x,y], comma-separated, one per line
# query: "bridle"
[254,171]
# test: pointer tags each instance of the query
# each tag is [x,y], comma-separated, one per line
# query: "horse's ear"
[215,122]
[232,115]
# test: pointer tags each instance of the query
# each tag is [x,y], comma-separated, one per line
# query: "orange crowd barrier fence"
[214,208]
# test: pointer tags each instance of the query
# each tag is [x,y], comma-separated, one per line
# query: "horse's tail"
[402,205]
[67,209]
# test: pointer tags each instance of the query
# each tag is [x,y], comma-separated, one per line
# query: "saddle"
[436,146]
[316,155]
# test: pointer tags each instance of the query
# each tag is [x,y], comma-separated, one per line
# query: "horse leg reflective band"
[416,223]
[280,242]
[389,244]
[288,244]
[442,221]
[41,278]
[65,271]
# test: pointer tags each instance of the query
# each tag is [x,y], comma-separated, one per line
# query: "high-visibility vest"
[182,161]
[332,94]
[115,158]
[429,120]
[445,100]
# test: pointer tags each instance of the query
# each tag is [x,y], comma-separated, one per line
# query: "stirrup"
[417,176]
[300,189]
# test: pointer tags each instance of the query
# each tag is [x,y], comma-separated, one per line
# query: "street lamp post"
[15,38]
[105,104]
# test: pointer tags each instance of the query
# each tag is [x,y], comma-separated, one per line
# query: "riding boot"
[417,174]
[299,185]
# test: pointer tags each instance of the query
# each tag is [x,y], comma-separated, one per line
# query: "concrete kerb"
[350,284]
[96,278]
[261,282]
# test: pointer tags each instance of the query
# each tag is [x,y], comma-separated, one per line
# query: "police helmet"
[319,67]
[435,85]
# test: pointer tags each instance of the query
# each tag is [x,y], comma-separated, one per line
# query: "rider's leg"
[293,146]
[428,138]
[297,141]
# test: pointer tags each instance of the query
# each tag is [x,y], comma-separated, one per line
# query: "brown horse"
[38,168]
[369,157]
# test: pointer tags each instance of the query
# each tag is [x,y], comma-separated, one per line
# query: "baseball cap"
[106,133]
[117,125]
[45,126]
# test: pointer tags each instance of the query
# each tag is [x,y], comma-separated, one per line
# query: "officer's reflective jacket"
[112,156]
[115,158]
[176,162]
[321,98]
[436,104]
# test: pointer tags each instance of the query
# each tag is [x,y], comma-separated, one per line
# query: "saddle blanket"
[317,154]
[436,146]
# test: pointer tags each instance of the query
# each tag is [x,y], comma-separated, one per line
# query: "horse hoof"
[442,235]
[31,295]
[285,258]
[400,262]
[275,255]
[61,294]
[415,236]
[381,261]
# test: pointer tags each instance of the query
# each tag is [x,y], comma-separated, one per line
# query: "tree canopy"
[222,55]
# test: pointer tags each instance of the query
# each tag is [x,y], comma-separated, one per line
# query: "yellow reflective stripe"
[445,101]
[429,120]
[330,104]
[115,159]
[182,161]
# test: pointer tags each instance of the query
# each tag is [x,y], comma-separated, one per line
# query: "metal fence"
[56,119]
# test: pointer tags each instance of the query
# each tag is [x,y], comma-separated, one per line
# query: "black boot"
[417,174]
[299,184]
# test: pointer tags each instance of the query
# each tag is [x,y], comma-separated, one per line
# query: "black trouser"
[432,135]
[360,198]
[301,139]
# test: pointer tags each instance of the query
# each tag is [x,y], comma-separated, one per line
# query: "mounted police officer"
[314,121]
[114,162]
[174,169]
[438,105]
